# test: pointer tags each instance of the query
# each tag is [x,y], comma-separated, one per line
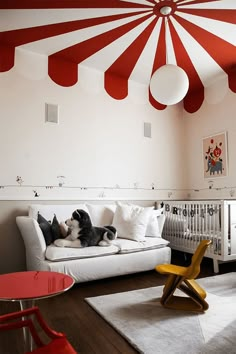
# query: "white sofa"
[123,256]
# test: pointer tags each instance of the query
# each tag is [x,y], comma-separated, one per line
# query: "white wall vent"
[51,113]
[147,130]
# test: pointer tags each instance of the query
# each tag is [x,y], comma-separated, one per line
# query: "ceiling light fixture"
[165,10]
[169,84]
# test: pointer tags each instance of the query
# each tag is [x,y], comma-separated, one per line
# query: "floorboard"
[85,329]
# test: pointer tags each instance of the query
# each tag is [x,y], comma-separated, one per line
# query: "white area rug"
[151,329]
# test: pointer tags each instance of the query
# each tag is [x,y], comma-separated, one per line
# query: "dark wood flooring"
[85,329]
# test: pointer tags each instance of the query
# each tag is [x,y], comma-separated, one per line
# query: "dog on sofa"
[83,234]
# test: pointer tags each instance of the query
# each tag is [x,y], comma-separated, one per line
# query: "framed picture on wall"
[215,156]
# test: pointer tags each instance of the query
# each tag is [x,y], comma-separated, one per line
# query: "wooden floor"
[86,330]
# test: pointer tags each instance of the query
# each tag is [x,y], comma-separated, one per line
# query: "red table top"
[33,285]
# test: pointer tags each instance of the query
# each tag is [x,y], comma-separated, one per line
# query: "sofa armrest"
[33,238]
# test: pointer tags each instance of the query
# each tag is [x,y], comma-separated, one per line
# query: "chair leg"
[196,295]
[193,285]
[169,288]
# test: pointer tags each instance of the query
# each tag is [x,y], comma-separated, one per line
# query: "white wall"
[98,143]
[216,115]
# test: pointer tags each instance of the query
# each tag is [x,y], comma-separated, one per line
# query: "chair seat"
[171,268]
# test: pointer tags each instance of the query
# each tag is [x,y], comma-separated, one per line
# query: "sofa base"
[88,269]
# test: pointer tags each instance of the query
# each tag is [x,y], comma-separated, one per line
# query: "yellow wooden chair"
[183,279]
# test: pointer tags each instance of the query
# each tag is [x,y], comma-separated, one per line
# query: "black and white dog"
[83,234]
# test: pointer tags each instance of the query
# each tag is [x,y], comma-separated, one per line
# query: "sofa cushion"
[100,214]
[54,253]
[56,229]
[131,221]
[46,228]
[63,211]
[129,246]
[155,224]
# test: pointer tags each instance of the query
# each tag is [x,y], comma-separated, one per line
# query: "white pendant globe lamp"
[169,84]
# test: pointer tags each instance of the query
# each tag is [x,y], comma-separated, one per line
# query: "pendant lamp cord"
[166,24]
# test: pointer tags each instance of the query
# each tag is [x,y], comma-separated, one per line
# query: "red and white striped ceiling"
[126,40]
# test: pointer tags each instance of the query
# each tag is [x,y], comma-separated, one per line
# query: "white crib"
[188,222]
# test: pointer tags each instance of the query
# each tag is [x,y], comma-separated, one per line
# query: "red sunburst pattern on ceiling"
[133,37]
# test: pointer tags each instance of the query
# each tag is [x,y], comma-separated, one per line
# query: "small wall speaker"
[51,113]
[147,130]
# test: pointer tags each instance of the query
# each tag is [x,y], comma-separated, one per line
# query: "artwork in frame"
[215,155]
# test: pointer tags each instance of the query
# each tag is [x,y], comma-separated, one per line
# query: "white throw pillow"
[100,214]
[155,224]
[62,211]
[131,221]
